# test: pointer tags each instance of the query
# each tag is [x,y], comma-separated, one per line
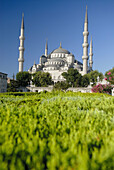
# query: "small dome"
[43,56]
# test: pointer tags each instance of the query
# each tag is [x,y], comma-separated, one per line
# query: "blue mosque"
[60,59]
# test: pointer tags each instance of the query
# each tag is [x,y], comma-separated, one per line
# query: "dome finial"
[60,45]
[34,62]
[46,43]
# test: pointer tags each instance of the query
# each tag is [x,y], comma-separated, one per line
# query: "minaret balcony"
[90,62]
[90,54]
[21,48]
[85,45]
[84,57]
[21,37]
[85,33]
[21,59]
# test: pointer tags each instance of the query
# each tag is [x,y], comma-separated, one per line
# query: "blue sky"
[55,20]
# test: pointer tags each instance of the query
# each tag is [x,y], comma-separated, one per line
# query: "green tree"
[85,81]
[63,85]
[23,78]
[73,77]
[93,76]
[110,75]
[42,79]
[12,86]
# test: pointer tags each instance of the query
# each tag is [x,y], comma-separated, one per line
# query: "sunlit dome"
[61,50]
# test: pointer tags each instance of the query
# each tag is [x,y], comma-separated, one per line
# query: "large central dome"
[61,50]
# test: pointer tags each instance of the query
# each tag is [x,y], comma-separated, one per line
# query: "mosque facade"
[60,59]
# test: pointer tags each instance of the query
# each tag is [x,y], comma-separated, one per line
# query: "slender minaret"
[46,49]
[91,55]
[21,48]
[85,45]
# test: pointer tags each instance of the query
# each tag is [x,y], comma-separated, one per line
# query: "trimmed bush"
[56,130]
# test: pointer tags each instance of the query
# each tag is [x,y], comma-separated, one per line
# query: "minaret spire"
[21,48]
[46,49]
[85,45]
[91,55]
[22,23]
[86,16]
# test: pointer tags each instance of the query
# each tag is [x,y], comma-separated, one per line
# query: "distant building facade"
[113,91]
[60,59]
[3,82]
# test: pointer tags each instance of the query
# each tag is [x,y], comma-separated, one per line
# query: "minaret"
[21,48]
[46,49]
[85,45]
[91,55]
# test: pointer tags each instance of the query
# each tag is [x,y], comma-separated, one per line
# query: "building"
[60,59]
[113,91]
[3,82]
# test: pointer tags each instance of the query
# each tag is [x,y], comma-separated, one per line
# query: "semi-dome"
[55,61]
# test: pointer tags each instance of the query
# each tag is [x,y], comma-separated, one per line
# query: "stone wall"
[40,89]
[80,89]
[49,89]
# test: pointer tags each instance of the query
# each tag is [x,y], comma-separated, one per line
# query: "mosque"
[60,59]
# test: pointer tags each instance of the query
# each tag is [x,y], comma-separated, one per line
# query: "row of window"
[54,68]
[54,62]
[3,85]
[3,76]
[58,55]
[50,68]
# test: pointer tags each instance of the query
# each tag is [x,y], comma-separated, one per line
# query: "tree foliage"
[73,77]
[42,79]
[63,85]
[12,86]
[23,78]
[85,81]
[94,75]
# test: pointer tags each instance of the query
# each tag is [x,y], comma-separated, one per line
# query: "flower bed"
[102,88]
